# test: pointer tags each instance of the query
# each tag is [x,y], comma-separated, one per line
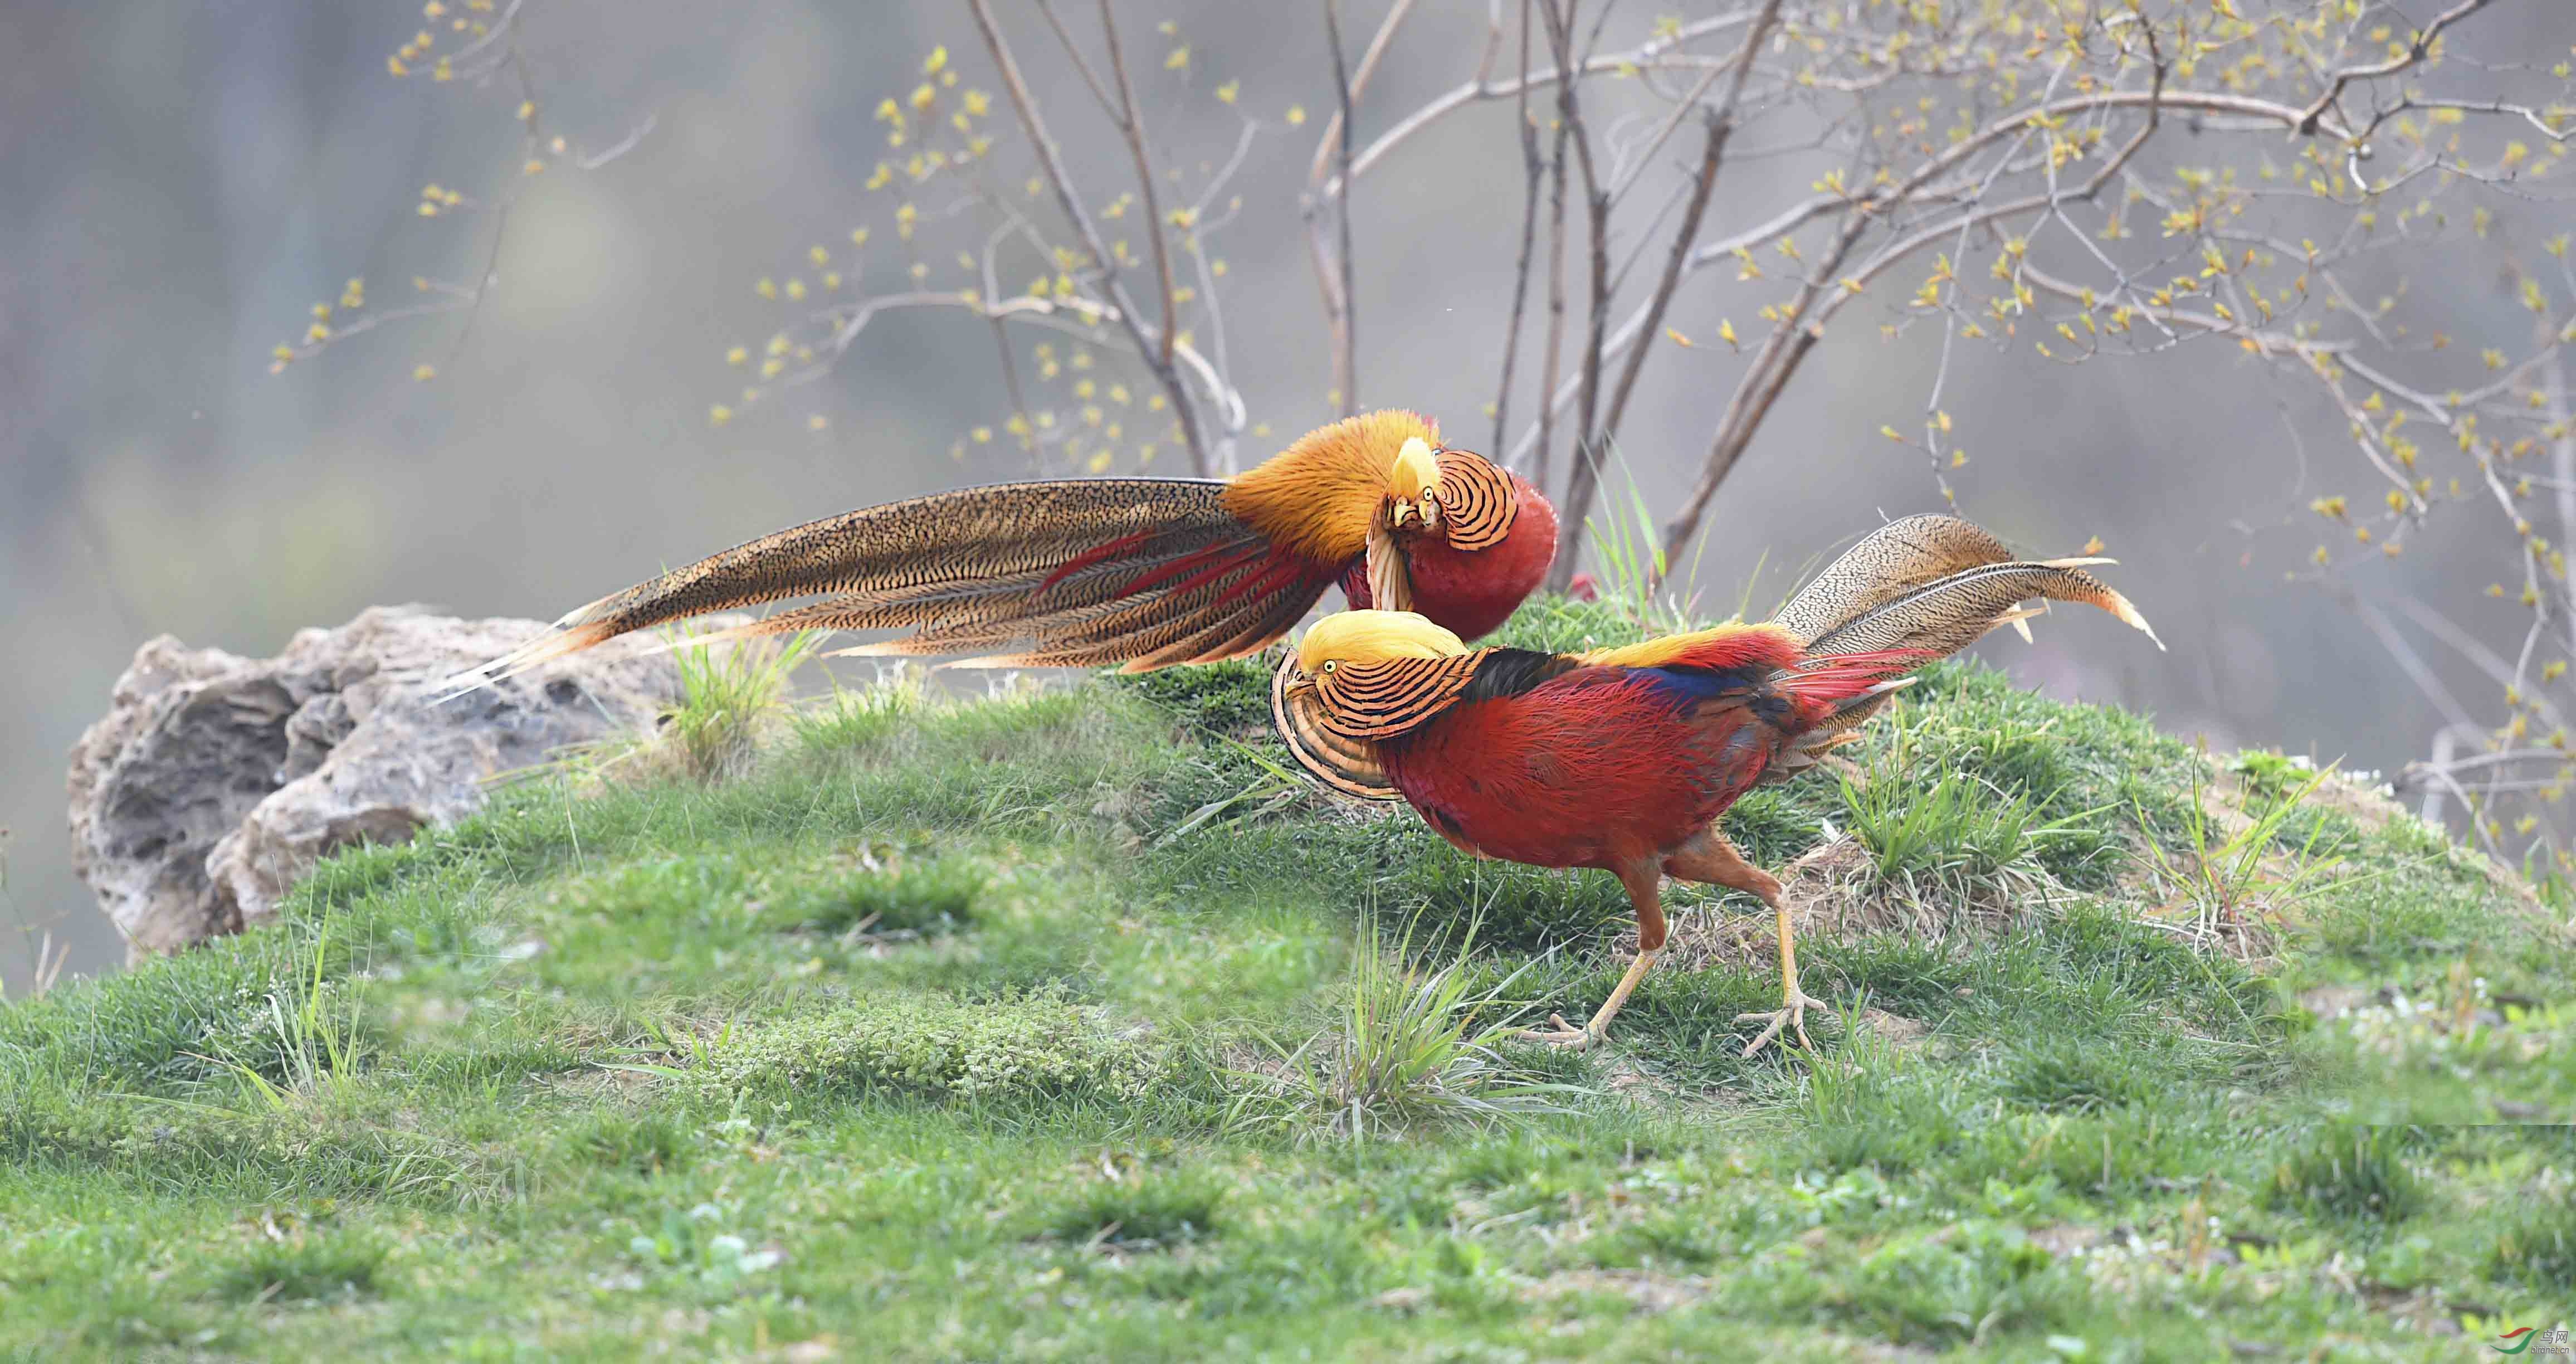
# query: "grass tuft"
[729,695]
[645,1143]
[326,1266]
[2350,1172]
[1416,1044]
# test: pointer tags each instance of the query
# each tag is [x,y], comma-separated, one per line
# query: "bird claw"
[1559,1033]
[1793,1017]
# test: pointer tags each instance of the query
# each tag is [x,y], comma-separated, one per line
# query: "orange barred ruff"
[1474,591]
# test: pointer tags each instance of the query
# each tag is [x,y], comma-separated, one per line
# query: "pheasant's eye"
[1331,663]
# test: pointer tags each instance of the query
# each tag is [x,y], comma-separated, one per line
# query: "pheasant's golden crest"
[1376,673]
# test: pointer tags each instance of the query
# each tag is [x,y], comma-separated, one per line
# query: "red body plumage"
[1607,765]
[1472,592]
[1592,769]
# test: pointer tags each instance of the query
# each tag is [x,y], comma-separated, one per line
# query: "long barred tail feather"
[1936,583]
[1931,586]
[1070,573]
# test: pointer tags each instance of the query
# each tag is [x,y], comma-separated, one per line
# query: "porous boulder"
[215,781]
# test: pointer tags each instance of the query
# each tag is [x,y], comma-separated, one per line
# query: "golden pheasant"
[1623,759]
[1145,572]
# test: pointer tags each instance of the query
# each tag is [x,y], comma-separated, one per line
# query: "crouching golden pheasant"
[1146,572]
[1623,759]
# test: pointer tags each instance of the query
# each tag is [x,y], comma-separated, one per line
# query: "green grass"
[1036,1026]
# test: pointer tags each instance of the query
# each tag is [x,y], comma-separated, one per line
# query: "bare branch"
[1337,134]
[1124,309]
[1346,381]
[1721,125]
[1134,127]
[2415,51]
[1583,469]
[1531,169]
[1548,408]
[1099,93]
[1642,57]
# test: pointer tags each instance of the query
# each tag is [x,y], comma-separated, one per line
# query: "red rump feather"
[1816,685]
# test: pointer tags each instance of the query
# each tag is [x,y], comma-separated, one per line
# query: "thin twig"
[2415,51]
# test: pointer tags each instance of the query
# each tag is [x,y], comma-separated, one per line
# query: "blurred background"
[182,184]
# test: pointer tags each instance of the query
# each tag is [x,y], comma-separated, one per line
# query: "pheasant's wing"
[1080,572]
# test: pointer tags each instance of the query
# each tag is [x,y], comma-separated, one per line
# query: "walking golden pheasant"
[1145,572]
[1623,759]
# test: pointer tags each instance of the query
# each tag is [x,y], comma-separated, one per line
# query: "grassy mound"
[1068,1024]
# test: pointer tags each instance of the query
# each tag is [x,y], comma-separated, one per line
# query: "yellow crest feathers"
[1319,496]
[1415,472]
[1374,637]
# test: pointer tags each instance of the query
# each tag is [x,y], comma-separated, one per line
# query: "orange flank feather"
[1623,759]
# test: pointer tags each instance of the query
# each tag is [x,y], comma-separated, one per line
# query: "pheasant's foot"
[1559,1033]
[1792,1017]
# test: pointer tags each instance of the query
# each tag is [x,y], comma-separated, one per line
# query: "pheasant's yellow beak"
[1299,686]
[1413,485]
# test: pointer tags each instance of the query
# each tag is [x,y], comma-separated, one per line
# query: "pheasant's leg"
[1712,859]
[1643,883]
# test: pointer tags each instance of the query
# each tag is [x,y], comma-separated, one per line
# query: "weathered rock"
[216,781]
